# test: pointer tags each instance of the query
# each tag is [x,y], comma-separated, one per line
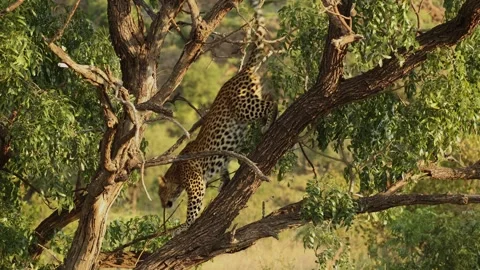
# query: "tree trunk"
[92,224]
[138,54]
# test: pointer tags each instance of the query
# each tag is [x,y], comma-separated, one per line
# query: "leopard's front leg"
[196,187]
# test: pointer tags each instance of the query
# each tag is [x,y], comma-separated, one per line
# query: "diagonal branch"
[161,25]
[174,147]
[289,217]
[98,77]
[194,13]
[67,22]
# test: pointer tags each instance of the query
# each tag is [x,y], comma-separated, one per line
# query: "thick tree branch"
[124,29]
[160,26]
[447,34]
[442,173]
[289,217]
[324,96]
[45,231]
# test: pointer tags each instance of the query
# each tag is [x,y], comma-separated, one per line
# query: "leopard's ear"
[161,181]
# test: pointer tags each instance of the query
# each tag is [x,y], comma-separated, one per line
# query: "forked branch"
[289,217]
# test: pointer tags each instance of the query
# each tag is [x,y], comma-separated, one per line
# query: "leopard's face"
[169,191]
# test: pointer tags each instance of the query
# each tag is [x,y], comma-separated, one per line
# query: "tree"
[331,105]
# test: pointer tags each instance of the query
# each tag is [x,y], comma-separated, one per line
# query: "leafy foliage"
[15,238]
[332,206]
[430,238]
[330,249]
[120,232]
[328,210]
[54,124]
[52,117]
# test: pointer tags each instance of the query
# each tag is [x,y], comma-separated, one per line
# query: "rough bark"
[49,226]
[119,155]
[442,173]
[189,248]
[289,217]
[138,54]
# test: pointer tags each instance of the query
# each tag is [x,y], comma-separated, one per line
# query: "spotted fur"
[238,103]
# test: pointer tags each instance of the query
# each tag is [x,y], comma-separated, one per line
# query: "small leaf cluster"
[120,232]
[330,249]
[332,206]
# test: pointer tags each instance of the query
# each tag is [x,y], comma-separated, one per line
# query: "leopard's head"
[169,191]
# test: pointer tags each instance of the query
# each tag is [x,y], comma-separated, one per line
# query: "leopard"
[238,103]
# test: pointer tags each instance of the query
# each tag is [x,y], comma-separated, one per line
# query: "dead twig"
[51,254]
[308,160]
[181,98]
[181,139]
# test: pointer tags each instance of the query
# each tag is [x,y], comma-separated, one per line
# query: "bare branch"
[92,74]
[51,254]
[344,40]
[146,7]
[194,13]
[161,25]
[174,147]
[331,7]
[67,22]
[179,97]
[11,8]
[308,160]
[397,185]
[154,108]
[173,120]
[192,49]
[162,160]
